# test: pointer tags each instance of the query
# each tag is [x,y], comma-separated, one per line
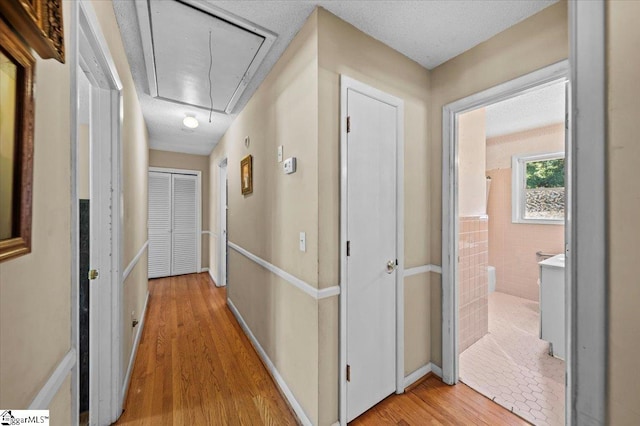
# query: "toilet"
[491,272]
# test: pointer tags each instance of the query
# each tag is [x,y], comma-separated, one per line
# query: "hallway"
[195,366]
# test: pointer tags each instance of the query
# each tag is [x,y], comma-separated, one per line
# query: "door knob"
[391,266]
[93,274]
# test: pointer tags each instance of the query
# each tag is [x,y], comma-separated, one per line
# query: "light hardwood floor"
[196,367]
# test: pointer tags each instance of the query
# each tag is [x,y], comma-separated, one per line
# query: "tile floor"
[511,365]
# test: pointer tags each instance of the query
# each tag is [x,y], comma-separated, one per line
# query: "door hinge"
[93,274]
[348,248]
[348,124]
[348,373]
[566,121]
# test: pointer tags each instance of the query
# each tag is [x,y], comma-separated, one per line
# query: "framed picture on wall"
[16,144]
[39,22]
[246,175]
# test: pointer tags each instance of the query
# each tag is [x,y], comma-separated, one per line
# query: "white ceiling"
[531,110]
[428,31]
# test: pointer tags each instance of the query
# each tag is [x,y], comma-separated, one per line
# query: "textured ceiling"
[534,109]
[429,31]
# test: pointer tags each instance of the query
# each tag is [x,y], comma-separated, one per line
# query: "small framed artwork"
[39,22]
[246,175]
[16,144]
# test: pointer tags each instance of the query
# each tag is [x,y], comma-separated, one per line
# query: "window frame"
[518,187]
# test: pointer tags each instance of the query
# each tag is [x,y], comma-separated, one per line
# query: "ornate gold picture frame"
[16,143]
[246,175]
[39,22]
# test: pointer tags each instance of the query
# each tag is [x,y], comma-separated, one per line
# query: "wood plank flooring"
[431,402]
[196,367]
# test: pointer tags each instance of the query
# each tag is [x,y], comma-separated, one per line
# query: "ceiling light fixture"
[190,122]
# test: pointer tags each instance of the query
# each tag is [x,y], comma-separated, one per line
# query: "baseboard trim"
[213,278]
[134,352]
[295,281]
[436,370]
[134,262]
[422,270]
[421,372]
[54,382]
[291,399]
[204,269]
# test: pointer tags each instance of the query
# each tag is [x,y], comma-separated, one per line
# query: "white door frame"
[222,222]
[198,175]
[347,83]
[89,51]
[586,305]
[450,113]
[588,343]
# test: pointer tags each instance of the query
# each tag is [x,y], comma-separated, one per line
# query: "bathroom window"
[538,193]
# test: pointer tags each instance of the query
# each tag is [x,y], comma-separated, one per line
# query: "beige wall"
[177,160]
[513,246]
[283,111]
[532,44]
[472,158]
[35,292]
[623,35]
[343,49]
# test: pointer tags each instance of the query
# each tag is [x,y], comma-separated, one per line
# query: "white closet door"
[184,246]
[159,224]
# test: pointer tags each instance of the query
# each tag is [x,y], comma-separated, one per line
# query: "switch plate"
[289,165]
[280,154]
[303,241]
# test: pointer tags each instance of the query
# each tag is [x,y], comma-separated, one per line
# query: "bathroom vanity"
[552,295]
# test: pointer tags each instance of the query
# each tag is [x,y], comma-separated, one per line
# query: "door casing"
[450,226]
[222,223]
[89,52]
[346,84]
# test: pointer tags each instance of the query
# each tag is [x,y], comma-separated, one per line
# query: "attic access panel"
[175,38]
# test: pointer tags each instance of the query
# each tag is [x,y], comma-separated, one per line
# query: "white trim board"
[284,388]
[420,373]
[422,270]
[54,382]
[296,282]
[134,352]
[587,343]
[211,275]
[134,262]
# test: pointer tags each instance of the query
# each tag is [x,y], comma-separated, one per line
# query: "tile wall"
[472,279]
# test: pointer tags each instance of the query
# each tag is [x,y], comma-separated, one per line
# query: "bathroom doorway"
[508,242]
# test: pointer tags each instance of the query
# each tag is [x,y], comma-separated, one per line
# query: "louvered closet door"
[184,245]
[159,225]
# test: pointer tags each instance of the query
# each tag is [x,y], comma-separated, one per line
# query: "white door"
[372,253]
[184,249]
[159,224]
[222,277]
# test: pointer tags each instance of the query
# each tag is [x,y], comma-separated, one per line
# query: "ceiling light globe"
[190,122]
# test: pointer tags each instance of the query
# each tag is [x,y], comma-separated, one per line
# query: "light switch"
[280,154]
[303,241]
